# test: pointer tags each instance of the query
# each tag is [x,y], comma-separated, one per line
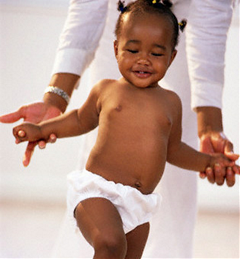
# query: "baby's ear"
[115,44]
[173,55]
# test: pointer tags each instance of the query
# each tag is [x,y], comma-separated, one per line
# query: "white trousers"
[171,231]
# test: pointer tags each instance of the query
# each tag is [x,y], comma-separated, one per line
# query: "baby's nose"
[143,60]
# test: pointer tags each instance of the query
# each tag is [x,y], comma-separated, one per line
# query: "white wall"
[29,36]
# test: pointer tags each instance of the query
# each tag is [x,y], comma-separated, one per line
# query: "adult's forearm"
[78,42]
[209,120]
[67,83]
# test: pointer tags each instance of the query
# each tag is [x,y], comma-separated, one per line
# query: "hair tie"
[121,6]
[167,3]
[182,25]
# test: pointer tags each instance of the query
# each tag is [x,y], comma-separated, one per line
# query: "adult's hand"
[217,142]
[35,113]
[213,140]
[52,106]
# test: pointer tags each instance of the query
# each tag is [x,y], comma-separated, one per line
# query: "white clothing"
[171,233]
[134,207]
[208,24]
[208,21]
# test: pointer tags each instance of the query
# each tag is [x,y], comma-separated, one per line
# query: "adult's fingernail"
[25,162]
[41,145]
[52,139]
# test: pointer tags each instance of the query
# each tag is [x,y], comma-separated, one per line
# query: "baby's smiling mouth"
[142,74]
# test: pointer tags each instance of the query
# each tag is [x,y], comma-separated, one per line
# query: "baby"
[139,131]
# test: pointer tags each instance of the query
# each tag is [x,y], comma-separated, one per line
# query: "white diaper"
[134,207]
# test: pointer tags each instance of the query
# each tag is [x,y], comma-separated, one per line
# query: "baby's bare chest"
[142,111]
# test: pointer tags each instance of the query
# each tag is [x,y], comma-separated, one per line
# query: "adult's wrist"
[59,92]
[64,84]
[209,120]
[55,100]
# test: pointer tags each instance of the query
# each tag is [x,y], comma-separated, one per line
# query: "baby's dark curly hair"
[161,8]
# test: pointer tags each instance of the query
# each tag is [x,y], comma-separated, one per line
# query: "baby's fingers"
[19,134]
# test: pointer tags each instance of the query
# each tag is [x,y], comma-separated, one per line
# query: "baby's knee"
[110,246]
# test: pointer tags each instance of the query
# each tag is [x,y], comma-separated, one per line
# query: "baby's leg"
[136,241]
[101,225]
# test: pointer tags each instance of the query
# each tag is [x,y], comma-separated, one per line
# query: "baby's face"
[144,49]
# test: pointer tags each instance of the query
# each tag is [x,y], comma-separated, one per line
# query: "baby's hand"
[219,167]
[27,132]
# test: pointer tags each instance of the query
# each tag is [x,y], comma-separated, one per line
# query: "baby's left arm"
[184,156]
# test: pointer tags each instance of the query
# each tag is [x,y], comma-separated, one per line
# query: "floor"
[29,230]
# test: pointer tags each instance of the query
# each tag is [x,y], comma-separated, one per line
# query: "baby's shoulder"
[103,85]
[172,101]
[172,96]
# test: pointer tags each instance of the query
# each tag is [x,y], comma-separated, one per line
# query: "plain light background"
[29,33]
[29,38]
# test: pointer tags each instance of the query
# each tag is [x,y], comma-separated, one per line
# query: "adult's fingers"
[52,139]
[235,169]
[231,156]
[230,177]
[202,175]
[228,151]
[210,175]
[14,116]
[219,173]
[228,148]
[42,144]
[28,153]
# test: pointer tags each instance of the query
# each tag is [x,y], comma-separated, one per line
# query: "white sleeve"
[206,35]
[80,36]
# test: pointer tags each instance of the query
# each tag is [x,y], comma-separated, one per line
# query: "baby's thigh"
[100,222]
[136,241]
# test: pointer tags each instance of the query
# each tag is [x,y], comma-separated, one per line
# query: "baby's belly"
[141,170]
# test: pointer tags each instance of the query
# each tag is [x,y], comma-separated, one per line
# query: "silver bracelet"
[58,91]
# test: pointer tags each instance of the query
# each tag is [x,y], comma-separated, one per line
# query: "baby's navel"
[138,185]
[118,108]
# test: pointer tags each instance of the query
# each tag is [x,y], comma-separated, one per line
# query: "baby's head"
[143,8]
[146,36]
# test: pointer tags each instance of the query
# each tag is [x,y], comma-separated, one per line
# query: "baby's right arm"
[73,123]
[62,126]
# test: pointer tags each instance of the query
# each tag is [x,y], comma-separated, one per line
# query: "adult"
[87,37]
